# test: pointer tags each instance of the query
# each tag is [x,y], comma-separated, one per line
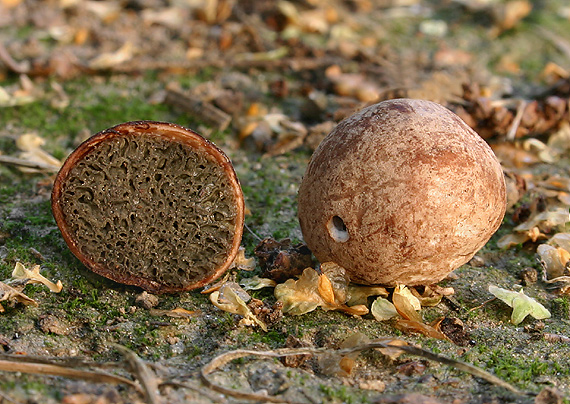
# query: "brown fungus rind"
[402,192]
[150,204]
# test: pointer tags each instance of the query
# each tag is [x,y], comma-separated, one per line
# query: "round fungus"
[150,204]
[402,192]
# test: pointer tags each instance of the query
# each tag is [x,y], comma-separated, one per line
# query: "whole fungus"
[150,204]
[402,192]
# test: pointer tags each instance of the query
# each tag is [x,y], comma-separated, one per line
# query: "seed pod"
[402,192]
[150,204]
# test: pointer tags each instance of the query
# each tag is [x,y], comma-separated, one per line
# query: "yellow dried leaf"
[338,279]
[310,291]
[405,293]
[7,293]
[325,289]
[228,299]
[360,294]
[300,296]
[554,260]
[428,298]
[512,239]
[243,263]
[31,144]
[333,364]
[561,240]
[255,283]
[112,59]
[33,276]
[548,219]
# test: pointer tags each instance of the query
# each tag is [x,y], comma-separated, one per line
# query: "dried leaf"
[545,220]
[406,304]
[300,296]
[228,299]
[7,292]
[112,59]
[429,298]
[383,309]
[522,304]
[326,290]
[512,239]
[255,283]
[554,260]
[339,281]
[360,294]
[304,295]
[404,292]
[242,263]
[33,276]
[409,326]
[31,144]
[561,240]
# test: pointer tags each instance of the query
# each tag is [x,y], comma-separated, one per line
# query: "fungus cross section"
[151,208]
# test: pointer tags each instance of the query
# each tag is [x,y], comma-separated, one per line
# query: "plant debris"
[281,260]
[233,299]
[314,290]
[11,289]
[522,304]
[340,359]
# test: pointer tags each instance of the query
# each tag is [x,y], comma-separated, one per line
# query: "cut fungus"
[150,204]
[402,192]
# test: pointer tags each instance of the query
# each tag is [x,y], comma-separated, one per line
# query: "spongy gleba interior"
[152,208]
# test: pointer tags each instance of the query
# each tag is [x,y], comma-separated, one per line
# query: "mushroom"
[402,192]
[150,204]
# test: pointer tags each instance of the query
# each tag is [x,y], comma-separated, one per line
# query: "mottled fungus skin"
[150,204]
[402,192]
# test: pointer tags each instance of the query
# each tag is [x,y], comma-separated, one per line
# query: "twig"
[56,370]
[143,374]
[27,163]
[481,305]
[557,40]
[223,359]
[20,68]
[252,232]
[199,109]
[8,399]
[517,121]
[198,390]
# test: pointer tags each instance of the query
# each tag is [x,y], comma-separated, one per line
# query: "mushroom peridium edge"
[401,192]
[150,204]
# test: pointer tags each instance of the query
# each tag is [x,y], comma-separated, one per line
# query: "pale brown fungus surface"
[150,204]
[402,192]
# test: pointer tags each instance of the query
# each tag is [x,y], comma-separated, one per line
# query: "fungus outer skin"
[418,190]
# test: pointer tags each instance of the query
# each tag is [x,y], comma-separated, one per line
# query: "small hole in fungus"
[337,229]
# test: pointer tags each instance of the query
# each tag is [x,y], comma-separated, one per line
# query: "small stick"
[517,121]
[252,232]
[15,161]
[224,358]
[201,110]
[56,370]
[16,67]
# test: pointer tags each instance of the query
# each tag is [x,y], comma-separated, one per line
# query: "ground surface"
[290,70]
